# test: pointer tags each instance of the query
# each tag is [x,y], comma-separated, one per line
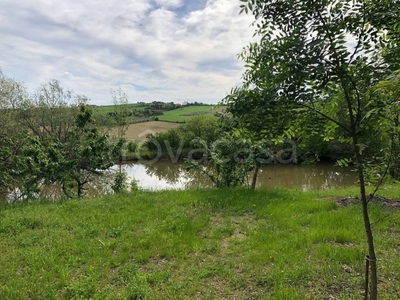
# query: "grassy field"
[196,244]
[104,109]
[185,113]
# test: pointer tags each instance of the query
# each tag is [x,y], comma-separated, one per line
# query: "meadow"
[196,244]
[185,113]
[104,109]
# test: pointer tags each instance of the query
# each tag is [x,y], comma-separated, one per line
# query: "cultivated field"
[185,113]
[104,109]
[140,130]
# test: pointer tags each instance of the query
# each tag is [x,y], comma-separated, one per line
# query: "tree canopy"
[313,71]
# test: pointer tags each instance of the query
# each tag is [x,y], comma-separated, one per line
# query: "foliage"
[71,163]
[120,184]
[120,100]
[303,67]
[118,149]
[384,17]
[12,134]
[48,137]
[134,185]
[50,113]
[388,91]
[205,127]
[176,142]
[10,147]
[132,146]
[231,158]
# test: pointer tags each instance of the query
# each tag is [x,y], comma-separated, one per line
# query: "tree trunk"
[254,181]
[355,117]
[367,223]
[80,191]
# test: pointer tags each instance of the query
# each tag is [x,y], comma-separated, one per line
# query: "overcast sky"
[165,50]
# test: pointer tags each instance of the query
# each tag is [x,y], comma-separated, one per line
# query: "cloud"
[166,50]
[170,3]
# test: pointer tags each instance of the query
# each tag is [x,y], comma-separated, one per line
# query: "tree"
[317,59]
[12,135]
[231,159]
[71,163]
[121,112]
[384,15]
[46,138]
[388,91]
[50,112]
[205,127]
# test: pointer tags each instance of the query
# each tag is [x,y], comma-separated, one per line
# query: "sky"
[155,50]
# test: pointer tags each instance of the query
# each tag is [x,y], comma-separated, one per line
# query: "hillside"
[199,244]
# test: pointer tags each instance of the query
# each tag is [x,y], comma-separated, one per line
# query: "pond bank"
[221,244]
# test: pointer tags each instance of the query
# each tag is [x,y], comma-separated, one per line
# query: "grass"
[185,113]
[176,115]
[195,244]
[104,109]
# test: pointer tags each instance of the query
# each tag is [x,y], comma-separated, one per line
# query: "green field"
[176,115]
[104,109]
[185,113]
[196,244]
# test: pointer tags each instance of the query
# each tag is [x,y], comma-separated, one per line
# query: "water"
[167,175]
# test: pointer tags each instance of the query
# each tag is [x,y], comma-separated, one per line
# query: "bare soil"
[385,202]
[139,131]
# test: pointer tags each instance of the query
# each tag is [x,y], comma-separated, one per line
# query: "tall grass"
[204,244]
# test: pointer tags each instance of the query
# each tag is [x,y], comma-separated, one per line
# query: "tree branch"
[325,116]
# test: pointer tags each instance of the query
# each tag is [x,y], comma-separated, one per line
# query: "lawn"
[195,244]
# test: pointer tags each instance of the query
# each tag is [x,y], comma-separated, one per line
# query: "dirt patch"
[139,131]
[237,232]
[218,109]
[385,202]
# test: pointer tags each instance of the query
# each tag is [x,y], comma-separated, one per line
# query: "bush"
[132,146]
[119,185]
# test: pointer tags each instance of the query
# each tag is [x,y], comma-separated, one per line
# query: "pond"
[167,175]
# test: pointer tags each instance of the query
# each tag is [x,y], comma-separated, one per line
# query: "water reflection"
[167,175]
[100,185]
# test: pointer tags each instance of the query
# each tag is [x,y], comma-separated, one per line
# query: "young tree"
[71,163]
[121,112]
[317,58]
